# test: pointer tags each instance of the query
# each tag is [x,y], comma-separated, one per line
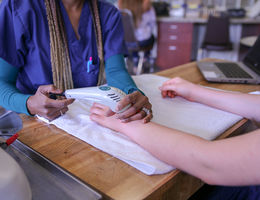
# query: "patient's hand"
[178,87]
[104,116]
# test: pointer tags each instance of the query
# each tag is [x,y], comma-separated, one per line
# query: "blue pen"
[89,63]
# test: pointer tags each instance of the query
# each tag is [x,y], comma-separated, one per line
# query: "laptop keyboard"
[232,70]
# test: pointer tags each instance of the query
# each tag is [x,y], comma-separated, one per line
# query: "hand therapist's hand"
[42,105]
[178,87]
[140,108]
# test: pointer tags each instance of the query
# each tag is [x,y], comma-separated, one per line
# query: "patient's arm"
[246,105]
[233,161]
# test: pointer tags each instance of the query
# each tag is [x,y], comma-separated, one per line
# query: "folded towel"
[177,113]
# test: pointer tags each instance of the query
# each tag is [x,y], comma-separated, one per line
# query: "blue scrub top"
[25,42]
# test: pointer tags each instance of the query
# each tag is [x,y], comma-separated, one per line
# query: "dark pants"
[143,44]
[227,193]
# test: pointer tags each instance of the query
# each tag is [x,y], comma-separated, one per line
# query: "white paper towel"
[175,113]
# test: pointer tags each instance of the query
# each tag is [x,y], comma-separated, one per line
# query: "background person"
[144,21]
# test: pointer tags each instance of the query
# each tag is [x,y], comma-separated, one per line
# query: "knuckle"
[118,116]
[45,102]
[142,114]
[134,109]
[107,113]
[137,117]
[46,112]
[94,110]
[52,87]
[129,98]
[121,116]
[146,100]
[120,105]
[127,120]
[63,104]
[40,87]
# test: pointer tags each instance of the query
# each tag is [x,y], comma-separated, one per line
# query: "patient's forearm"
[246,105]
[229,162]
[166,143]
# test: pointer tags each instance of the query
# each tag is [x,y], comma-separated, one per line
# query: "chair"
[132,43]
[217,35]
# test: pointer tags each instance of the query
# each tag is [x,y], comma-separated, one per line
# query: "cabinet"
[174,44]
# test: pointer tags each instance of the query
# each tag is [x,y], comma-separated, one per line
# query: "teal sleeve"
[10,97]
[117,75]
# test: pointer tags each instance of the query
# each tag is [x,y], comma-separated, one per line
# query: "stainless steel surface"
[2,115]
[47,180]
[10,122]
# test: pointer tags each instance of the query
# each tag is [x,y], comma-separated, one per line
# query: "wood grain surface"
[108,175]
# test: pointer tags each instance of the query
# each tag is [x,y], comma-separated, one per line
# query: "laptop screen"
[252,59]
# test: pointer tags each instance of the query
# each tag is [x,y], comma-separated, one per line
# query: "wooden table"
[108,175]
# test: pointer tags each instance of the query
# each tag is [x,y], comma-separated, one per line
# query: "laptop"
[247,71]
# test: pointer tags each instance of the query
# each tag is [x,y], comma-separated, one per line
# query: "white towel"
[175,113]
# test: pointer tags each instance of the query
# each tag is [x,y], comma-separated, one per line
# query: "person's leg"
[133,54]
[146,46]
[135,58]
[146,43]
[227,193]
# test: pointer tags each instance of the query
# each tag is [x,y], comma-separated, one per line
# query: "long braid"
[60,60]
[98,31]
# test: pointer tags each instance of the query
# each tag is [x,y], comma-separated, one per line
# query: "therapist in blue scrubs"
[28,61]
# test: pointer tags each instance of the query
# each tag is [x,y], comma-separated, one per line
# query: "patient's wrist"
[196,93]
[130,128]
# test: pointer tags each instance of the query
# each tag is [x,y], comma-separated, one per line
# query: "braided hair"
[60,59]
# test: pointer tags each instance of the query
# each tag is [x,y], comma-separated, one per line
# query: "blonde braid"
[60,60]
[98,32]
